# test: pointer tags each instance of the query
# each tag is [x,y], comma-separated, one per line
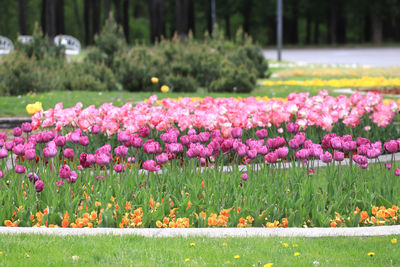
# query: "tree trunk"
[22,17]
[125,23]
[86,20]
[191,19]
[227,19]
[308,27]
[107,9]
[376,29]
[246,13]
[332,22]
[118,17]
[316,32]
[96,9]
[182,18]
[157,26]
[43,16]
[341,23]
[60,26]
[50,20]
[367,29]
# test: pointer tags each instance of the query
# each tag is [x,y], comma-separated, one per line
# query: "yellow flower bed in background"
[362,82]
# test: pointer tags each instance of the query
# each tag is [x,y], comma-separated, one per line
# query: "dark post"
[279,28]
[212,16]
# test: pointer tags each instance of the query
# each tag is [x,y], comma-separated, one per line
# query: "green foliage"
[39,48]
[108,43]
[216,64]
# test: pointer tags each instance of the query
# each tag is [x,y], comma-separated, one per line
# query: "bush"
[20,74]
[89,77]
[235,79]
[179,83]
[109,42]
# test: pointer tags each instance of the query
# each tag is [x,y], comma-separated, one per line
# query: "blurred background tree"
[306,22]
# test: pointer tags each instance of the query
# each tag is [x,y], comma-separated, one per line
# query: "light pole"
[279,28]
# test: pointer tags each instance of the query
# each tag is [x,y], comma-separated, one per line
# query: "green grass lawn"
[40,250]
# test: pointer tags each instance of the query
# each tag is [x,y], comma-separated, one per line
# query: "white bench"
[72,45]
[6,46]
[25,39]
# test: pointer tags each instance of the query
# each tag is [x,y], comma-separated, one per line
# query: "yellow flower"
[285,245]
[371,254]
[164,89]
[224,244]
[192,244]
[33,108]
[295,245]
[75,258]
[297,254]
[269,264]
[186,260]
[1,253]
[394,240]
[154,79]
[236,256]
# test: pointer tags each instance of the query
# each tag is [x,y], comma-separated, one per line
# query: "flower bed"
[85,177]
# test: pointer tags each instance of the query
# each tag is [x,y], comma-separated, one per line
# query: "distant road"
[374,57]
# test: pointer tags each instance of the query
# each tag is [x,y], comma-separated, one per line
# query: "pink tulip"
[17,131]
[162,158]
[339,156]
[121,151]
[26,127]
[19,169]
[39,186]
[68,153]
[119,168]
[326,157]
[3,153]
[150,165]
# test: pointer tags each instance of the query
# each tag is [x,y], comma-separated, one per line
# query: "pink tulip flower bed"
[88,170]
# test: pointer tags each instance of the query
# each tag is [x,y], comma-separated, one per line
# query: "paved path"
[213,232]
[374,57]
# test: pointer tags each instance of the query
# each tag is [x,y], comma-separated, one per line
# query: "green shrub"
[109,43]
[178,83]
[235,79]
[20,74]
[88,76]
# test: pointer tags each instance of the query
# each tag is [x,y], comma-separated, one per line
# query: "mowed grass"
[107,250]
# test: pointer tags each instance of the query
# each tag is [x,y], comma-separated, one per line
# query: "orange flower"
[189,204]
[285,222]
[364,215]
[151,203]
[374,210]
[8,223]
[65,223]
[242,221]
[116,207]
[137,212]
[202,214]
[97,204]
[66,215]
[128,206]
[166,220]
[159,224]
[202,184]
[333,224]
[93,215]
